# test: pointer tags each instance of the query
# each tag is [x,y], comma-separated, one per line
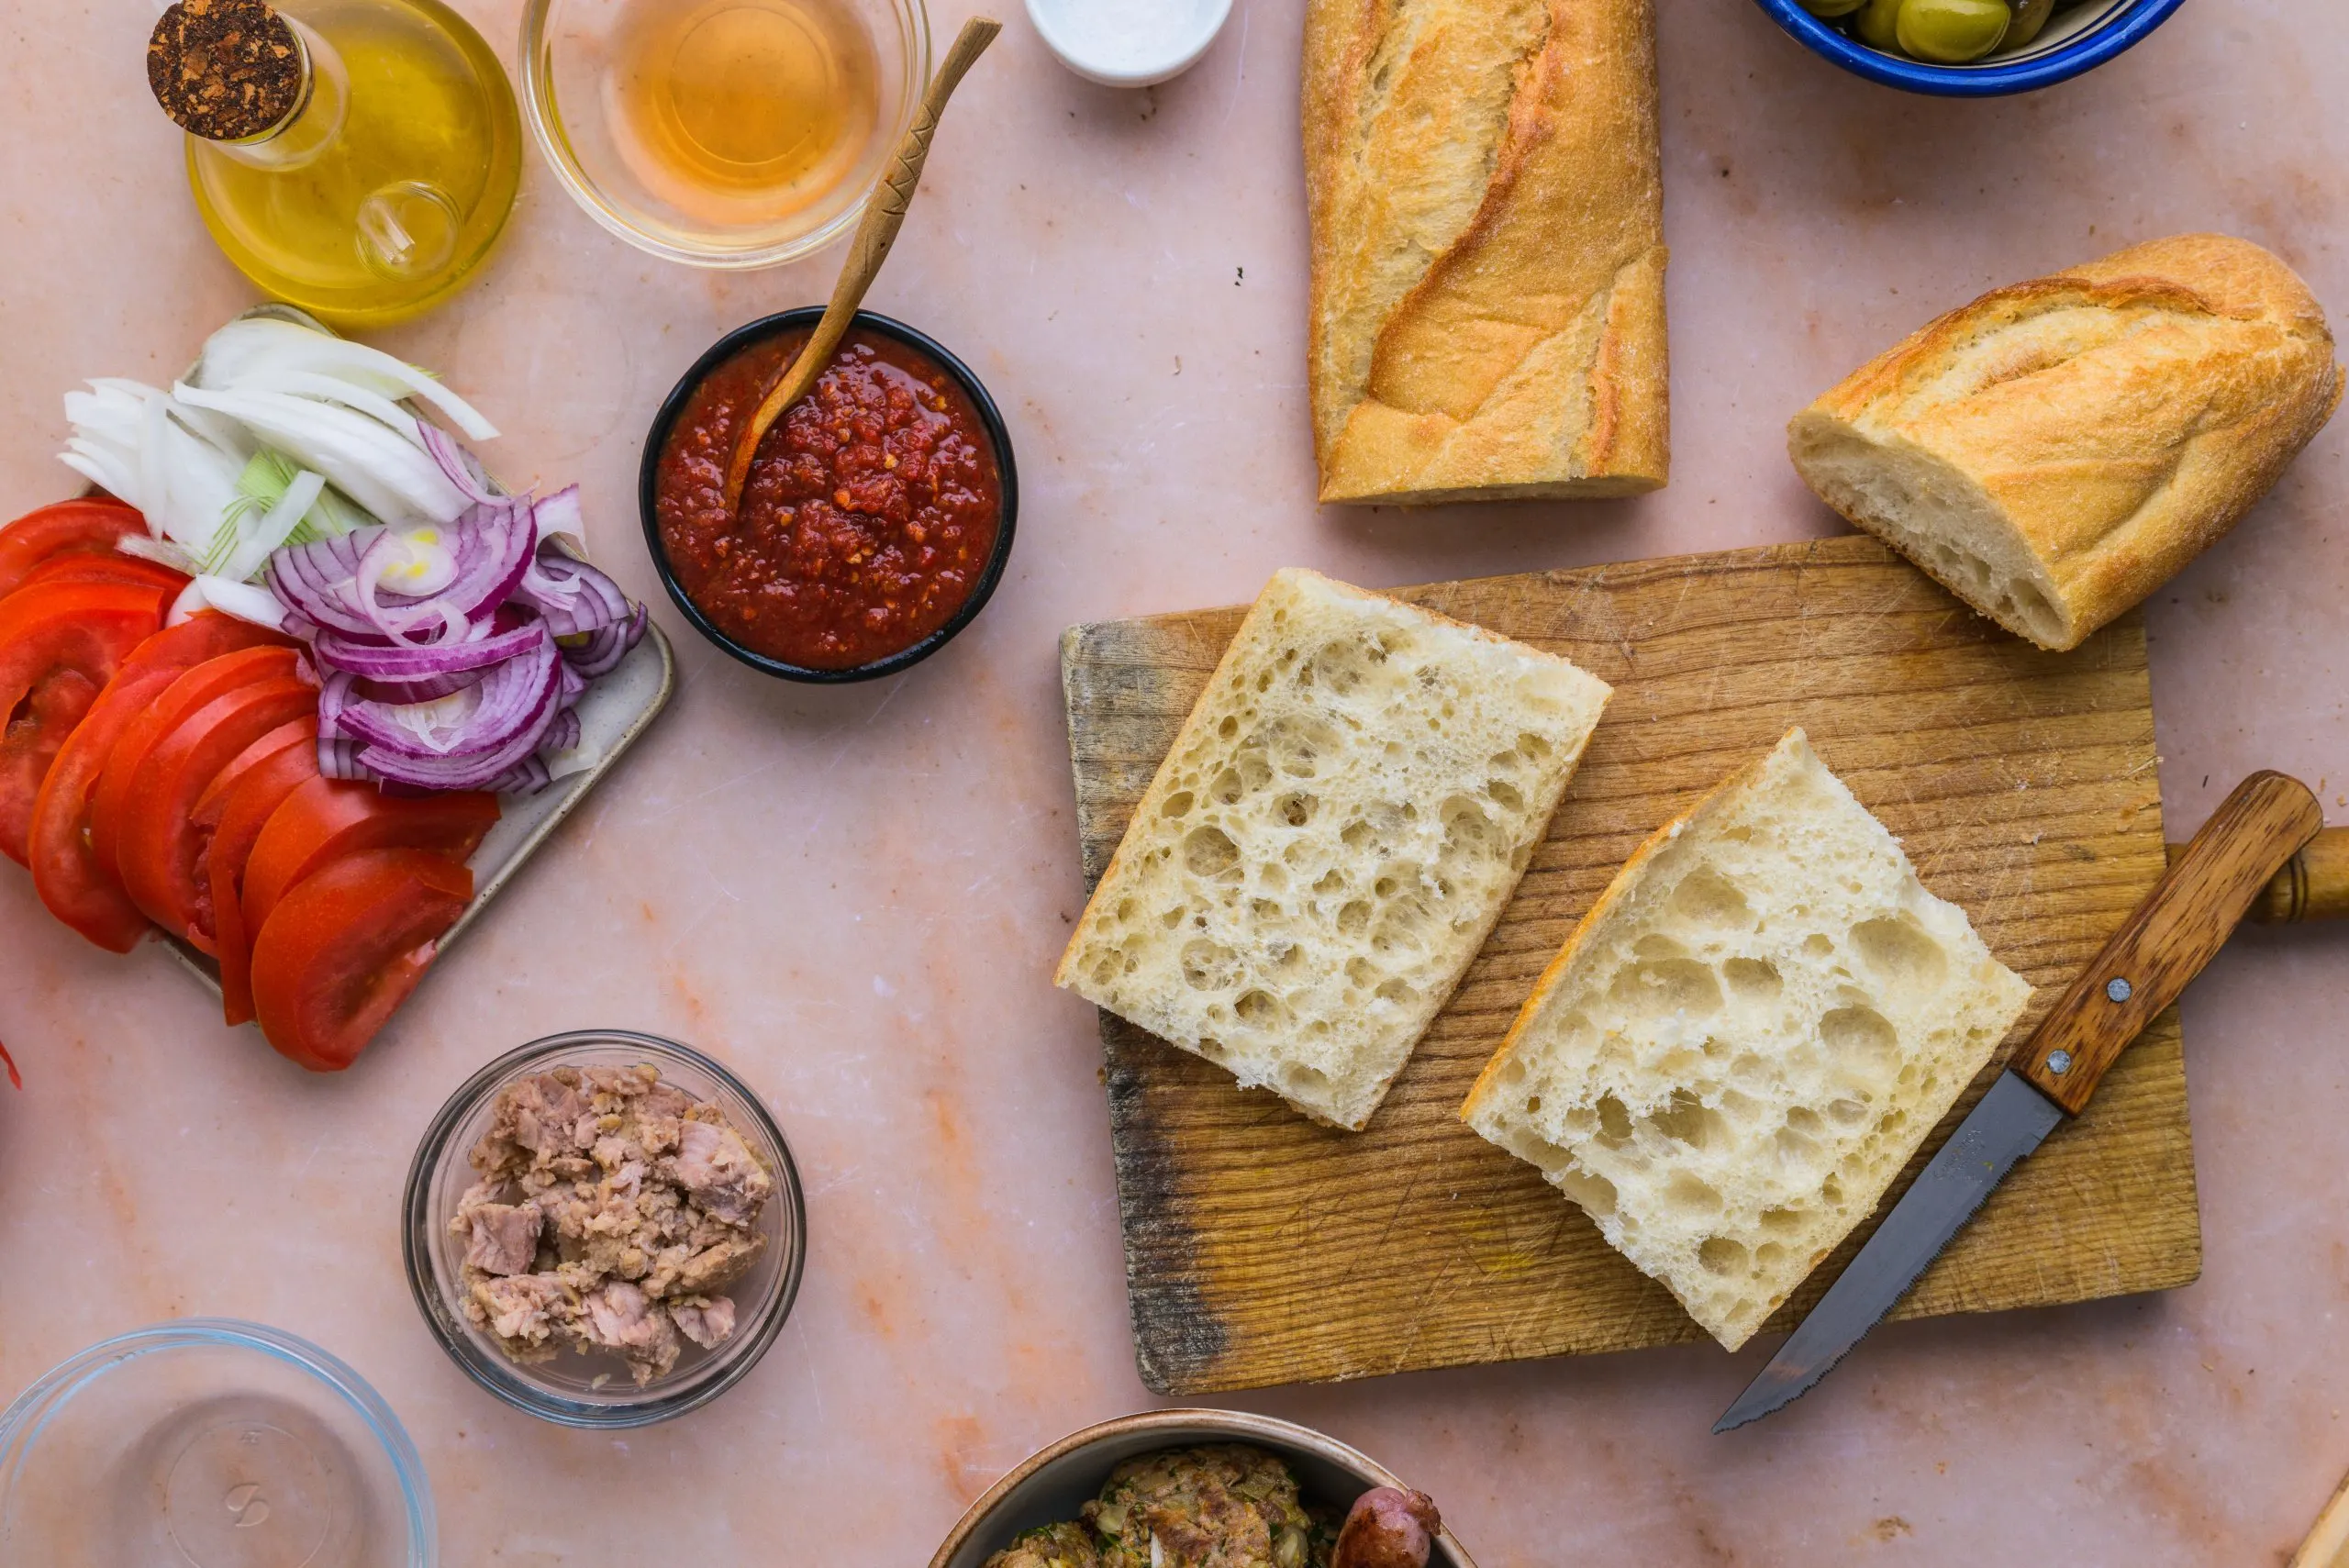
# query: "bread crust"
[2116,418]
[1486,200]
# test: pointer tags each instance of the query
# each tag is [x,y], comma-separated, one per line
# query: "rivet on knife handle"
[2178,928]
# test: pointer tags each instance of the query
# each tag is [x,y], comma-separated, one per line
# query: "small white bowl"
[1129,43]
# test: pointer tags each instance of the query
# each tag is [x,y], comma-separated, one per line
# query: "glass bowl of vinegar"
[723,133]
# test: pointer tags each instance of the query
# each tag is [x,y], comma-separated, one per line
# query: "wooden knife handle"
[2313,884]
[2165,942]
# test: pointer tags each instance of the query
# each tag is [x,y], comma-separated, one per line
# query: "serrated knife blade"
[2011,1121]
[2141,970]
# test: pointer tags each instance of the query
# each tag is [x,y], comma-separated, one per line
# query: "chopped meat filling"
[611,1212]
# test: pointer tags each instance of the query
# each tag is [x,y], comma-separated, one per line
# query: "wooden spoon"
[884,216]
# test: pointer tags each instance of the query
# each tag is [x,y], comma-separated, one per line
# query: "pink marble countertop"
[855,895]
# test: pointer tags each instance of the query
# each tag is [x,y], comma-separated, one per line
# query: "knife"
[2210,886]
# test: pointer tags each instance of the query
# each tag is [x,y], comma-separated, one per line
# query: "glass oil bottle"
[356,157]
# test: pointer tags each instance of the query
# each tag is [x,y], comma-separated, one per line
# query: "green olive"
[2029,17]
[1951,32]
[1833,7]
[1877,23]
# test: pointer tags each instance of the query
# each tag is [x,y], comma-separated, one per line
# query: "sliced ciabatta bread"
[1747,1037]
[2056,450]
[1333,833]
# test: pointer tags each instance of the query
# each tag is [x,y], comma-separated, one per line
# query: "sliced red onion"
[464,470]
[311,578]
[479,771]
[463,687]
[334,582]
[606,646]
[571,594]
[405,673]
[526,777]
[340,760]
[562,514]
[562,733]
[519,698]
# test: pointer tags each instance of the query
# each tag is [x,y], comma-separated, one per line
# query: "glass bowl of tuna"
[605,1228]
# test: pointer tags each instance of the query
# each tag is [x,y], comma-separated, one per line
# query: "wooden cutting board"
[1261,1249]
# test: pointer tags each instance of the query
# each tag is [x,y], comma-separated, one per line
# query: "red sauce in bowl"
[870,512]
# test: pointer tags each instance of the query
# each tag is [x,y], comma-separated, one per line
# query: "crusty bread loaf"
[1333,833]
[1487,239]
[1746,1038]
[2056,450]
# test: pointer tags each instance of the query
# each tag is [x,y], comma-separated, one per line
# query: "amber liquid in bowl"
[743,111]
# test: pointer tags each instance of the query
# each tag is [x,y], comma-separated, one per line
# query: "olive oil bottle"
[357,157]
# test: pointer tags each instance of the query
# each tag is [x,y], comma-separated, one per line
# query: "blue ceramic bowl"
[2076,40]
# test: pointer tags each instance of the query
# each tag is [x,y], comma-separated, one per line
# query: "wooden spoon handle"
[884,216]
[2313,885]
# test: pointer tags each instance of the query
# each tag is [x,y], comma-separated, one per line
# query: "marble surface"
[855,895]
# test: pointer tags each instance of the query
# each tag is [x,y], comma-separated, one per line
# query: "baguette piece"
[1746,1038]
[2055,451]
[1486,207]
[1330,839]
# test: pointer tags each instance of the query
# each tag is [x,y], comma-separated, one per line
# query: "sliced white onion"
[242,600]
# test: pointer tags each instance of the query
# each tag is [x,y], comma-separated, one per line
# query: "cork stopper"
[224,70]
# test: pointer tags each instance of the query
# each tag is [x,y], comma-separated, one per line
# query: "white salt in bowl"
[1129,43]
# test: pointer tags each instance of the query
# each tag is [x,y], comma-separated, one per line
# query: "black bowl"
[758,332]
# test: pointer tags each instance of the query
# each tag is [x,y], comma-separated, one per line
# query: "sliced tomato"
[66,873]
[195,686]
[214,801]
[93,568]
[68,528]
[159,849]
[59,644]
[327,818]
[237,814]
[343,950]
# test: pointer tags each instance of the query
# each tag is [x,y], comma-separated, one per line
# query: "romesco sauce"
[869,515]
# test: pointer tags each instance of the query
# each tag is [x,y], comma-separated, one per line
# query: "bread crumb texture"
[1329,842]
[2055,451]
[1747,1038]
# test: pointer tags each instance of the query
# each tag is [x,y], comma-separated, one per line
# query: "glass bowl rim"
[2121,30]
[673,407]
[28,1415]
[517,1389]
[535,92]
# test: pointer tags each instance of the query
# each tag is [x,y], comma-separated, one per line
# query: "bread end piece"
[2055,451]
[1330,839]
[1486,200]
[1746,1039]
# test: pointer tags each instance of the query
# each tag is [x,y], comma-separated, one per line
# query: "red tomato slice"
[68,528]
[104,569]
[195,686]
[158,849]
[81,631]
[329,818]
[66,873]
[214,801]
[343,950]
[240,812]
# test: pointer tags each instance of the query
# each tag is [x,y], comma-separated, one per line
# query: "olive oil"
[743,111]
[385,192]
